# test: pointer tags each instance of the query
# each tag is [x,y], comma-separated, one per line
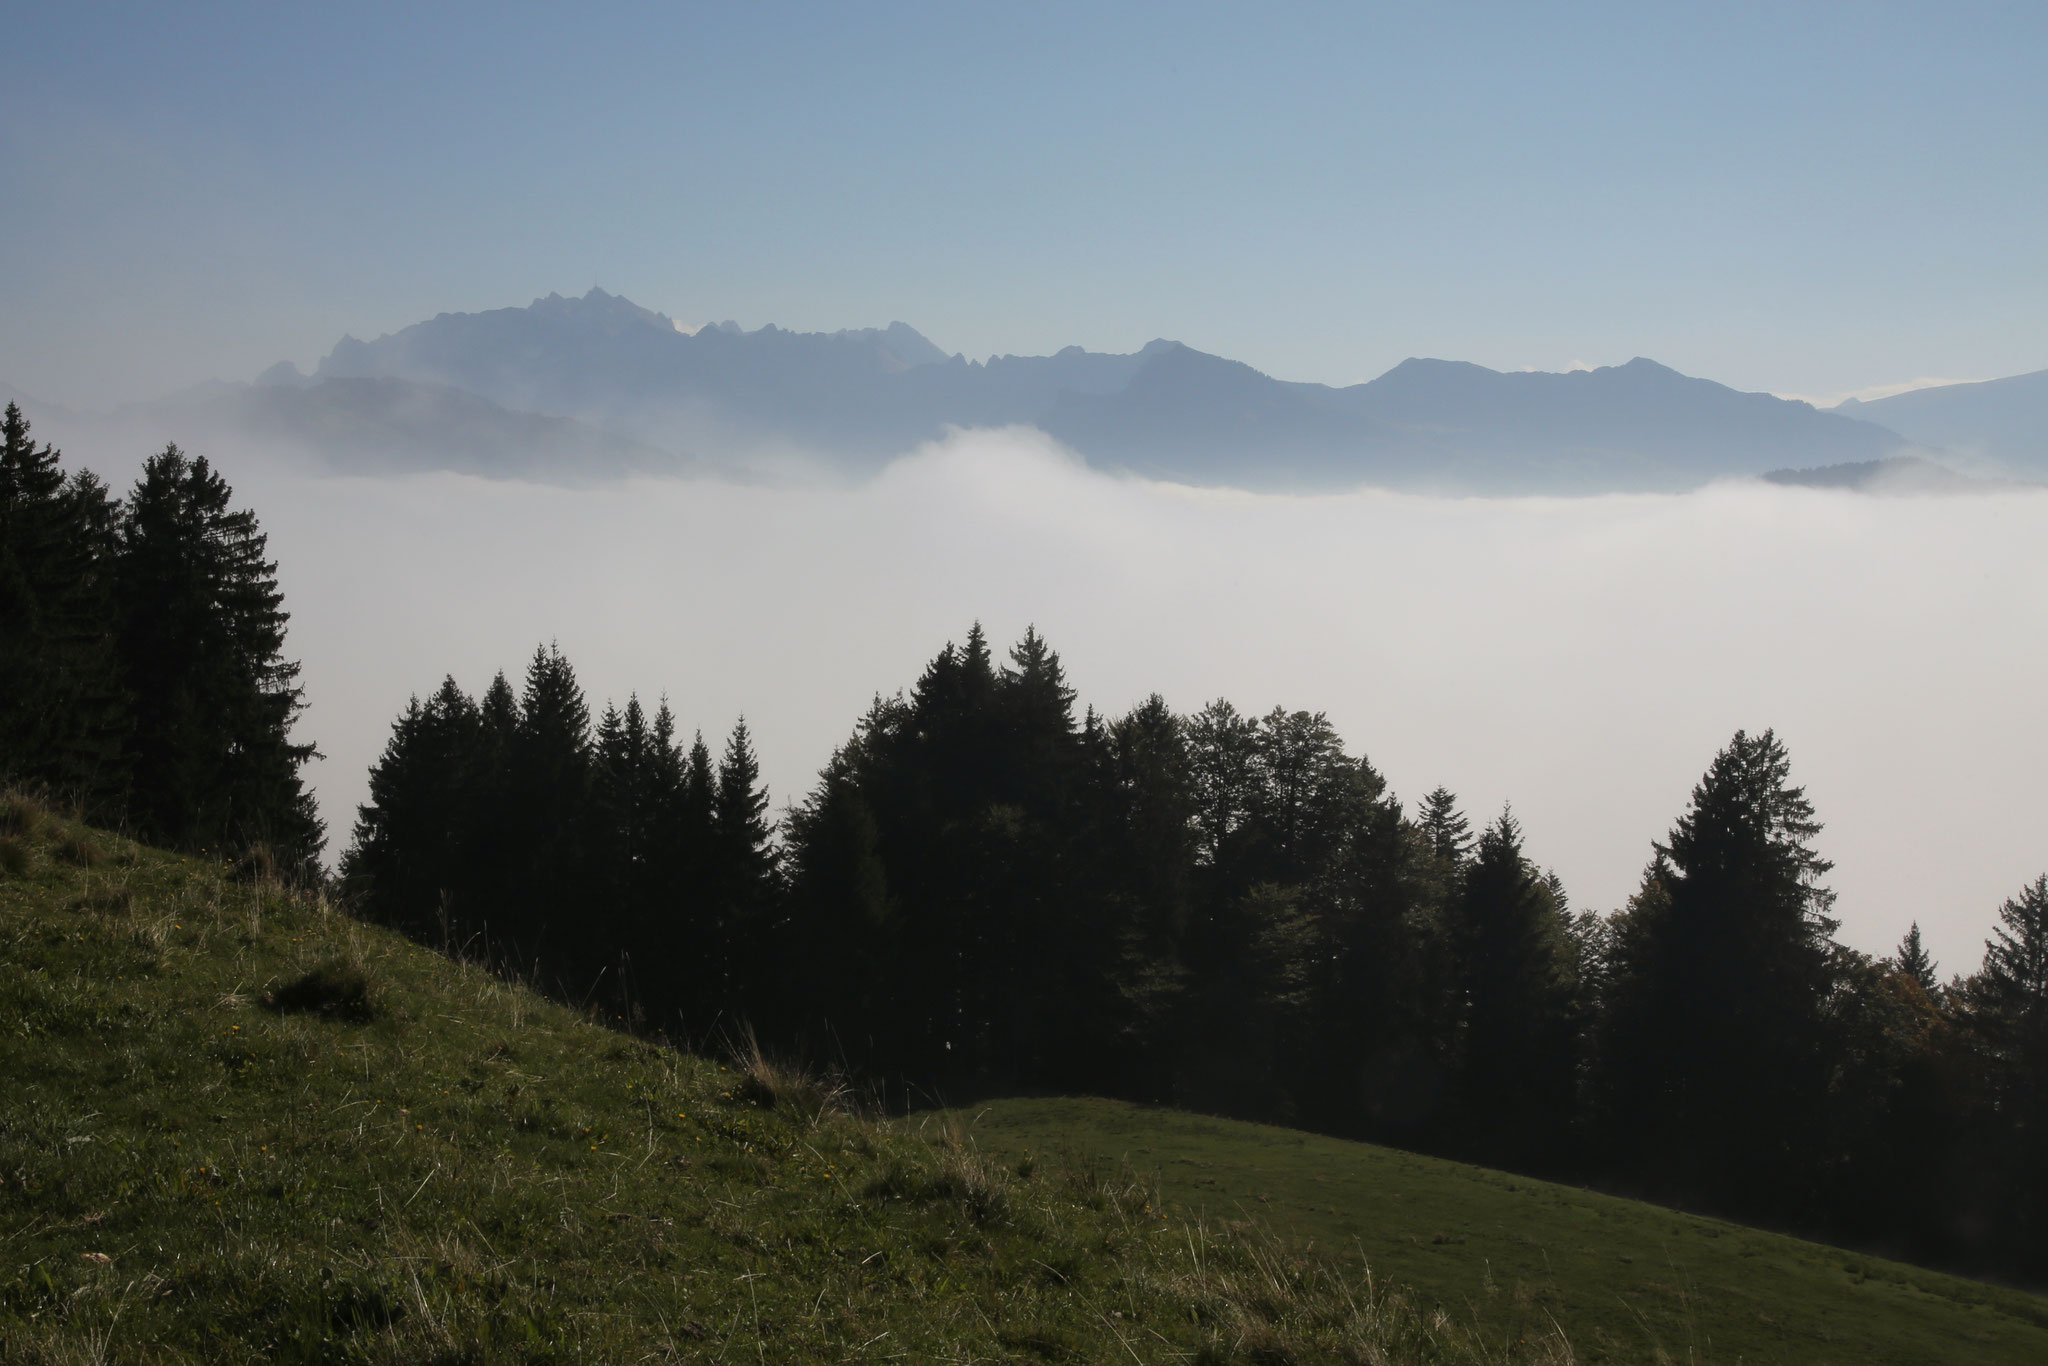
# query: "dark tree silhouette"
[1519,1060]
[1914,962]
[1715,1048]
[202,628]
[66,715]
[1447,832]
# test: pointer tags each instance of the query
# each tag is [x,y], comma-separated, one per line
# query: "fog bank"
[1581,658]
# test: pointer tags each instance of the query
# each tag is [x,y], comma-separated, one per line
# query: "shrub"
[334,989]
[76,848]
[20,816]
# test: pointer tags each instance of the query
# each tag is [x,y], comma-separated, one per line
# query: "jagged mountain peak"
[899,340]
[601,307]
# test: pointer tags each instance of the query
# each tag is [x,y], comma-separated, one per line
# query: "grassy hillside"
[1628,1281]
[237,1126]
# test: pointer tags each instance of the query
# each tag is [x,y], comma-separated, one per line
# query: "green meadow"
[1626,1281]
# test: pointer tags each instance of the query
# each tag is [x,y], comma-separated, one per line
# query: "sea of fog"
[1581,659]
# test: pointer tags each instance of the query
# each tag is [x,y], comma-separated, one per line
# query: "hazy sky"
[1796,197]
[1580,658]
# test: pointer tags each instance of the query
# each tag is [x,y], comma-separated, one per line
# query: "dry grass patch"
[774,1084]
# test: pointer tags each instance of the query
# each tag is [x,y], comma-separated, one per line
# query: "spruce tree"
[202,628]
[1518,1053]
[495,862]
[2014,982]
[1444,828]
[838,934]
[2008,1006]
[63,710]
[408,861]
[740,821]
[1041,957]
[624,853]
[1373,1059]
[1148,865]
[696,962]
[1914,962]
[744,869]
[1037,702]
[700,799]
[548,798]
[1714,1049]
[2008,1002]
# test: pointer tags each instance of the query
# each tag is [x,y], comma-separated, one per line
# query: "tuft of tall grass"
[76,848]
[21,815]
[258,864]
[962,1177]
[775,1084]
[15,857]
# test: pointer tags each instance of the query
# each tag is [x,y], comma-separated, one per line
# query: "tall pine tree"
[2009,1008]
[744,872]
[63,711]
[1518,1054]
[202,627]
[1714,1052]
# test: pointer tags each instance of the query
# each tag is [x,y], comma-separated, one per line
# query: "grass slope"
[237,1126]
[1628,1281]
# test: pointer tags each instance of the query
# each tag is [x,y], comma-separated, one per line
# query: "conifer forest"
[985,891]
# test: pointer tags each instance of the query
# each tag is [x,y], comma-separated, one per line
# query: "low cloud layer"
[1582,659]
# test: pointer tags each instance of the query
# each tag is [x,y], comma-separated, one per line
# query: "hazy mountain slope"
[1453,427]
[1636,426]
[856,398]
[2004,421]
[382,426]
[1186,415]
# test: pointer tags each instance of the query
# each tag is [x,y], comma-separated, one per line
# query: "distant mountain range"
[856,399]
[571,390]
[2002,422]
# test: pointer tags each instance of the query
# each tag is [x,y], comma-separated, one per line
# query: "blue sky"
[1802,198]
